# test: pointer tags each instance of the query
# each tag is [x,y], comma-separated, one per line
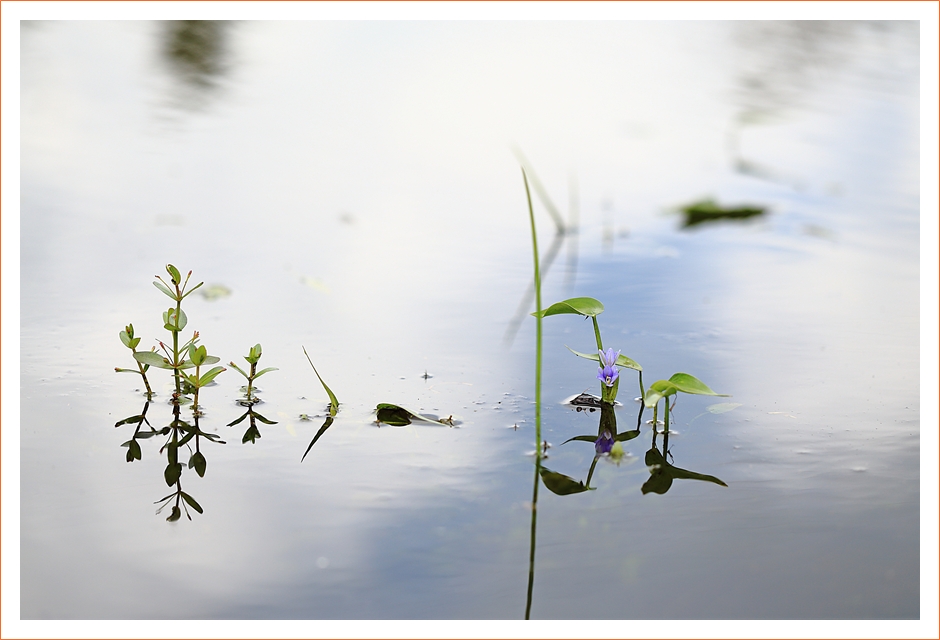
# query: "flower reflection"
[604,443]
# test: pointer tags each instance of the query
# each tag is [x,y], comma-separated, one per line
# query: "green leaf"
[162,287]
[198,462]
[334,403]
[657,391]
[198,354]
[622,360]
[174,273]
[191,501]
[210,375]
[193,289]
[264,371]
[581,306]
[396,416]
[172,473]
[254,354]
[126,339]
[238,369]
[561,484]
[153,359]
[690,384]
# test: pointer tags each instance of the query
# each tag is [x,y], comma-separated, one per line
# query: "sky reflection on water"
[354,186]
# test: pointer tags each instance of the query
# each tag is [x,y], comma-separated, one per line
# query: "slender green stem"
[177,361]
[666,417]
[535,500]
[597,334]
[538,324]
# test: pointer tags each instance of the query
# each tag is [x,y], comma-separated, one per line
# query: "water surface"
[354,186]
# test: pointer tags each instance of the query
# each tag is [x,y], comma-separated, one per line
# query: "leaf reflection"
[662,473]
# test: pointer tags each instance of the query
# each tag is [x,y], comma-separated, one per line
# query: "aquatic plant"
[174,321]
[199,356]
[609,360]
[664,389]
[131,342]
[254,355]
[253,433]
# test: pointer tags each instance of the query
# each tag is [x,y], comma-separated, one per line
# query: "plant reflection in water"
[179,434]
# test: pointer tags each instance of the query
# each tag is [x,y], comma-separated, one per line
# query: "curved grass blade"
[334,403]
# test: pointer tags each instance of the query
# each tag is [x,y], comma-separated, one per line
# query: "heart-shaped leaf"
[581,306]
[690,384]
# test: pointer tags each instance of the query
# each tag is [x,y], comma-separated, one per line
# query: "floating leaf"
[561,484]
[395,416]
[581,306]
[214,291]
[710,211]
[722,407]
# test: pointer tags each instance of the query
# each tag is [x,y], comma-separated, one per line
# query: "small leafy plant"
[254,355]
[199,357]
[131,342]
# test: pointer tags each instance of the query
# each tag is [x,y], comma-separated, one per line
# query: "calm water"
[354,188]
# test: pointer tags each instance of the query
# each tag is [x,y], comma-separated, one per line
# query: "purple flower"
[607,372]
[604,444]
